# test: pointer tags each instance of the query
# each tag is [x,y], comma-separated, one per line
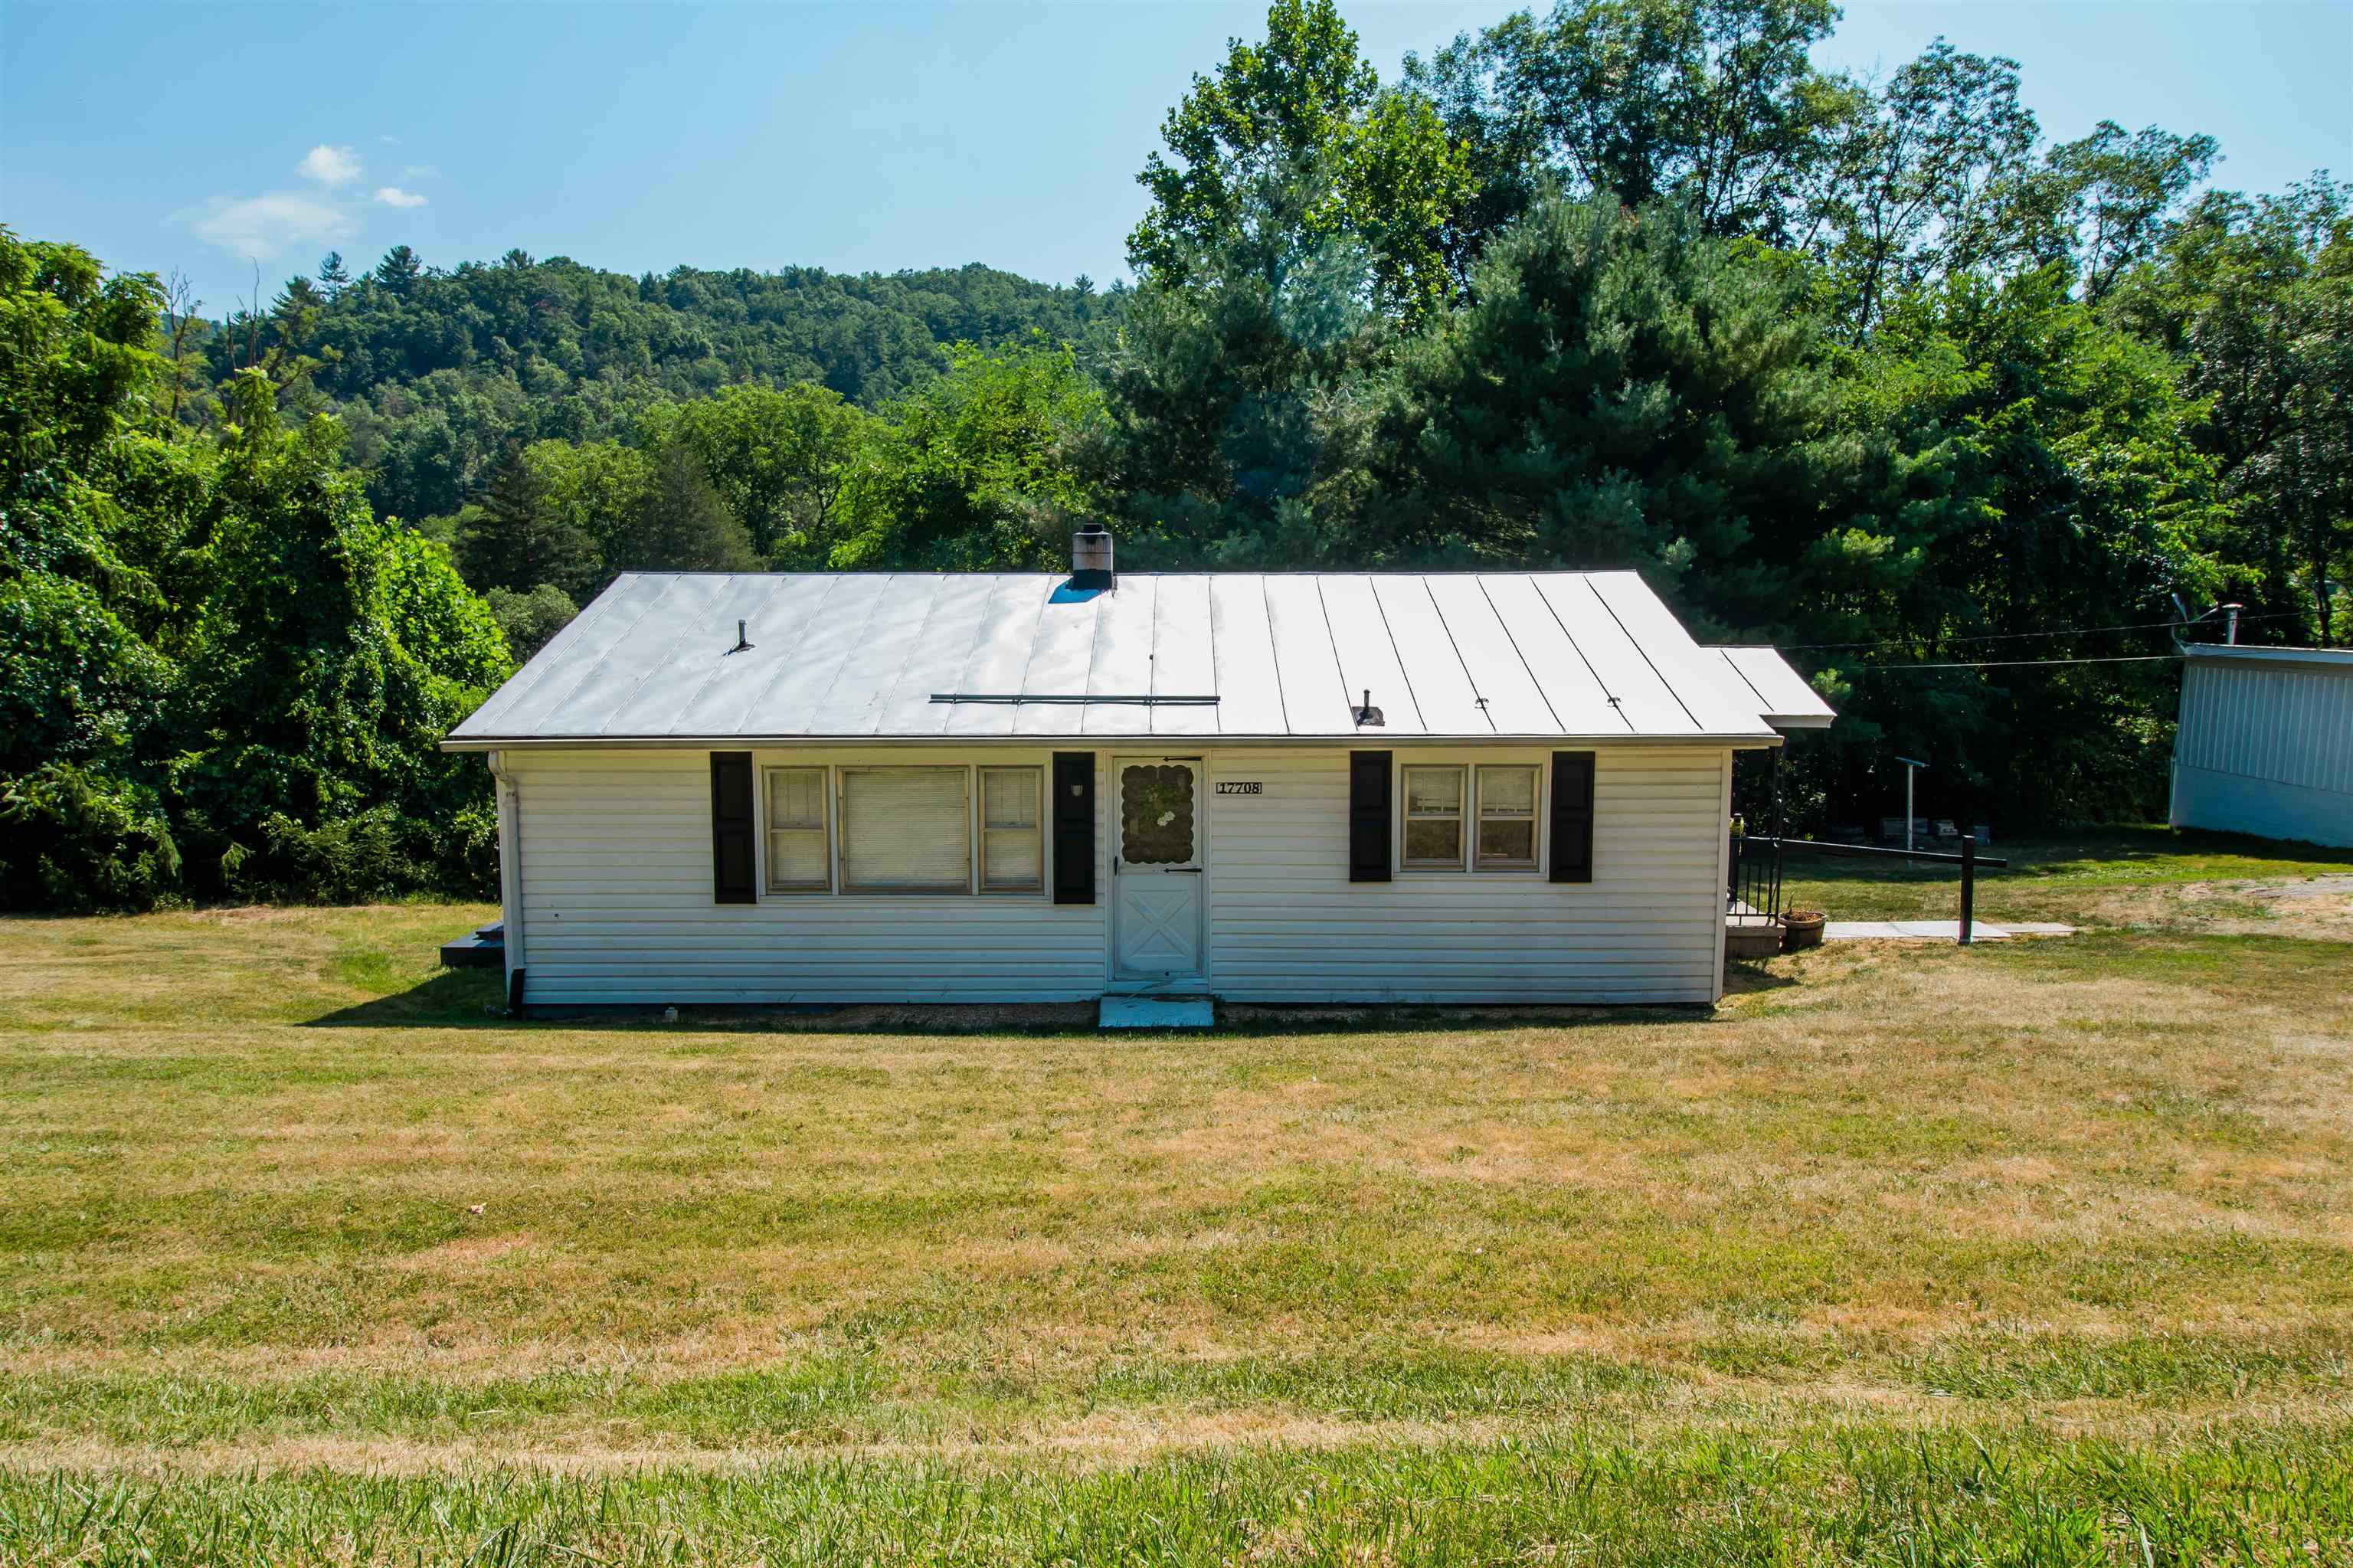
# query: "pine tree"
[683,526]
[516,539]
[399,269]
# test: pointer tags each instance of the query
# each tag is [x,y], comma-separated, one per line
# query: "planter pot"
[1802,929]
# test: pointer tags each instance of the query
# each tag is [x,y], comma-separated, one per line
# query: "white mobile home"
[765,788]
[2265,742]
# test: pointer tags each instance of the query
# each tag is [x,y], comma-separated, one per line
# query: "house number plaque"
[1241,787]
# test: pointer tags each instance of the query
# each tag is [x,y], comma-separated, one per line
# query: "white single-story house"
[2265,745]
[1502,787]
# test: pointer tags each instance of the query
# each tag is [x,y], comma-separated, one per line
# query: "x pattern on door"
[1158,929]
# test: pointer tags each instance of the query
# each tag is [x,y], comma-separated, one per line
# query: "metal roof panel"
[1250,699]
[1443,688]
[1316,695]
[1696,677]
[1782,695]
[1447,656]
[1630,682]
[1371,666]
[1121,665]
[1184,663]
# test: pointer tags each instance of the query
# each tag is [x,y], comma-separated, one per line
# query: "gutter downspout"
[510,902]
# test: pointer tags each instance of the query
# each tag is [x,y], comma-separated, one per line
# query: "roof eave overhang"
[1096,742]
[2241,652]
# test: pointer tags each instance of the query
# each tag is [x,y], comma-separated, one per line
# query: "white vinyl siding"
[615,903]
[1287,924]
[906,829]
[1012,842]
[615,897]
[801,844]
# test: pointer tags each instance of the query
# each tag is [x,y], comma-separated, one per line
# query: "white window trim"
[933,890]
[1461,814]
[1470,762]
[1535,818]
[768,830]
[840,762]
[1041,804]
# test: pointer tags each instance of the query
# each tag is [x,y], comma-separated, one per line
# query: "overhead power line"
[2010,636]
[2009,663]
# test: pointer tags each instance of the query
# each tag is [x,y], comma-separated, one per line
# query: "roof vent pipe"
[1091,558]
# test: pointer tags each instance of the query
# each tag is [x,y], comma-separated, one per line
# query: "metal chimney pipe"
[1090,565]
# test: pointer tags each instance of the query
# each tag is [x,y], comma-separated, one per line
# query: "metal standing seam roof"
[1454,656]
[1785,699]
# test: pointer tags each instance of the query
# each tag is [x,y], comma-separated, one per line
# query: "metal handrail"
[1968,860]
[1819,846]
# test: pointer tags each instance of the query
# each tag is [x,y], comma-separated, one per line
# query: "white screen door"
[1155,868]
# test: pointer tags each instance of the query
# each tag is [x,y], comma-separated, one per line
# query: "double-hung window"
[1483,818]
[1012,849]
[1507,819]
[906,829]
[800,849]
[1433,819]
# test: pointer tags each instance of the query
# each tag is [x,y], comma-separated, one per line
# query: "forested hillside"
[435,373]
[1874,370]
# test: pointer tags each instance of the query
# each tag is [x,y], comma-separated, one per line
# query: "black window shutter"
[1572,816]
[1368,816]
[733,878]
[1074,827]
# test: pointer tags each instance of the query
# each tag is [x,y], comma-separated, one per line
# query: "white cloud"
[331,167]
[260,227]
[393,195]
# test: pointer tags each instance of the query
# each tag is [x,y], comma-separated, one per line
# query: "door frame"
[1116,815]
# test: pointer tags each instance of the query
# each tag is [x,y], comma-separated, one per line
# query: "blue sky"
[869,137]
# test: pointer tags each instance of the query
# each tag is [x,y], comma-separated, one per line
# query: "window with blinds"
[906,829]
[1507,819]
[1012,848]
[800,850]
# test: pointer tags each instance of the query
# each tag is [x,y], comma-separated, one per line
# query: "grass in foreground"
[1829,1495]
[2125,876]
[2029,1252]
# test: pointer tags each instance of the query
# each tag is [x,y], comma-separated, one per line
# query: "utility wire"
[2006,636]
[2009,663]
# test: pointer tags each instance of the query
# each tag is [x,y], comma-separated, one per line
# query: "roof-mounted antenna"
[743,643]
[1369,714]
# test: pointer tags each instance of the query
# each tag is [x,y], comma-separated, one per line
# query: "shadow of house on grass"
[452,999]
[447,998]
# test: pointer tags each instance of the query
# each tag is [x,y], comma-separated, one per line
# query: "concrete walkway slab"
[1935,930]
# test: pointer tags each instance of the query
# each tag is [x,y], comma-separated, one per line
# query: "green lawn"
[2119,876]
[2029,1252]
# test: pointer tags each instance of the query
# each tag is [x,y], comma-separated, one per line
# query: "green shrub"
[78,838]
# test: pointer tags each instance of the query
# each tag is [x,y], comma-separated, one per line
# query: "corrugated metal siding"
[2265,748]
[1285,924]
[616,905]
[615,858]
